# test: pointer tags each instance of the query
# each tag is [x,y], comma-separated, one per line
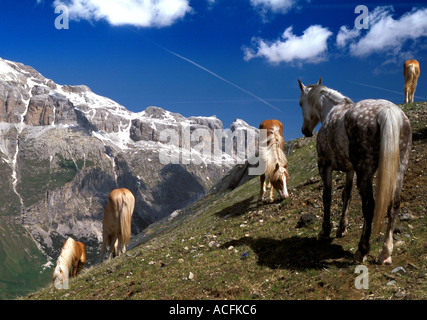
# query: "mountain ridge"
[64,148]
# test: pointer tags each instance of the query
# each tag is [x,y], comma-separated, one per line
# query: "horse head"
[309,112]
[58,273]
[279,181]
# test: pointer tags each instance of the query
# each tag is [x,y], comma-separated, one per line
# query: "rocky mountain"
[64,148]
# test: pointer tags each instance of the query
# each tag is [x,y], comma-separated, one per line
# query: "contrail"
[384,89]
[221,78]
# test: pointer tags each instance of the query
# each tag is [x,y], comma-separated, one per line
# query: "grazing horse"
[117,222]
[411,72]
[359,137]
[275,159]
[70,261]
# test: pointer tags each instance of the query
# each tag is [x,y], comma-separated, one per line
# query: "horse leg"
[80,266]
[326,174]
[406,93]
[120,245]
[262,187]
[393,212]
[116,247]
[81,262]
[271,191]
[364,184]
[75,265]
[346,196]
[111,243]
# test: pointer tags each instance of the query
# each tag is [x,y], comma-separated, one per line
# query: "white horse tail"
[126,206]
[390,122]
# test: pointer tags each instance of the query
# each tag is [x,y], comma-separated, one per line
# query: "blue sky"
[229,58]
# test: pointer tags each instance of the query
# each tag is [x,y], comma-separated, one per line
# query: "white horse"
[70,261]
[117,222]
[363,137]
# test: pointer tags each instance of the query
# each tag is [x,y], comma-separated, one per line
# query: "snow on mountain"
[64,148]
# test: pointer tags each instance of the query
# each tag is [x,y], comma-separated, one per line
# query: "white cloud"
[345,35]
[385,34]
[141,13]
[310,47]
[277,6]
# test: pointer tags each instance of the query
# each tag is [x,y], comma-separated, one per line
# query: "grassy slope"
[227,246]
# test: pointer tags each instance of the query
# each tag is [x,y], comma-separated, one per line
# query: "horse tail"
[126,206]
[275,130]
[390,122]
[280,144]
[409,74]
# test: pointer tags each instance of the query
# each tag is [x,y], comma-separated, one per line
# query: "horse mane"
[274,154]
[318,91]
[67,253]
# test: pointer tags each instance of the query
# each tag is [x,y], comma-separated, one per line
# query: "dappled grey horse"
[359,137]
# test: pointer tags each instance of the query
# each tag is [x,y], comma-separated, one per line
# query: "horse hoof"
[322,237]
[359,257]
[385,261]
[341,233]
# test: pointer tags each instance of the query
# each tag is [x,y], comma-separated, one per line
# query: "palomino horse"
[275,159]
[70,261]
[117,222]
[359,137]
[411,72]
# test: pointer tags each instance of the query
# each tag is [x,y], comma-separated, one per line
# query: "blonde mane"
[67,253]
[274,153]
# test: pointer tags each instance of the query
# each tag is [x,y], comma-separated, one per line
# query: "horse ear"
[319,82]
[301,86]
[277,166]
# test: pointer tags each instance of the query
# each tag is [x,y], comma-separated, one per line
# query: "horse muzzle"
[307,132]
[284,194]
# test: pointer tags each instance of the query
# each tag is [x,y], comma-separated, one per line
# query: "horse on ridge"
[116,226]
[359,137]
[275,159]
[411,72]
[70,261]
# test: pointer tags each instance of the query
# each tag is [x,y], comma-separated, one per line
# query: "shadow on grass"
[238,208]
[295,253]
